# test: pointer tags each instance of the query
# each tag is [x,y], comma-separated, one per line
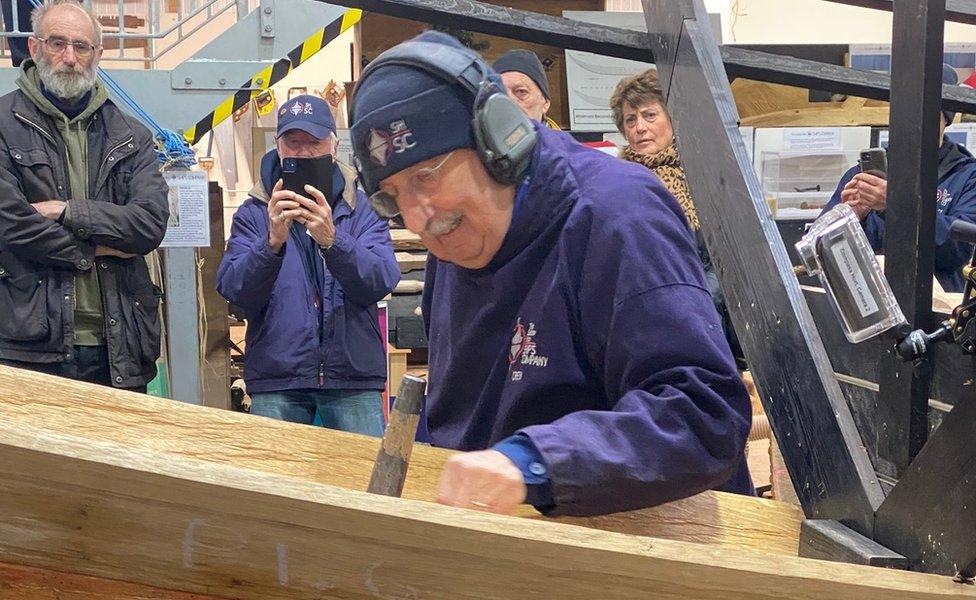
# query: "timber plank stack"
[406,328]
[126,488]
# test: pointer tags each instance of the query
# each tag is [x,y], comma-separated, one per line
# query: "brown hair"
[636,90]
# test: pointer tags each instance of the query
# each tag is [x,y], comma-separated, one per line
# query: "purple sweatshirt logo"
[523,350]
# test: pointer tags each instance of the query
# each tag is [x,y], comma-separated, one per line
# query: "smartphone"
[875,162]
[316,172]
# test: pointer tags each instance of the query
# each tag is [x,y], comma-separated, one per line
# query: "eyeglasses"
[425,181]
[56,45]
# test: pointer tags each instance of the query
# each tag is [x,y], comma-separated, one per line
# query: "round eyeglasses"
[425,181]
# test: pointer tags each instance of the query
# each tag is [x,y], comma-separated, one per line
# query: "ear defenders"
[505,138]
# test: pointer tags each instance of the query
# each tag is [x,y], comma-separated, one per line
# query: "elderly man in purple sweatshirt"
[575,353]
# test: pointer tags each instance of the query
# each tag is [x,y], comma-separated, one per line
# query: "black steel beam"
[958,11]
[511,23]
[830,468]
[902,411]
[625,43]
[930,516]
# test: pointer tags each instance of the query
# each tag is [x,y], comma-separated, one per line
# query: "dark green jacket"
[126,209]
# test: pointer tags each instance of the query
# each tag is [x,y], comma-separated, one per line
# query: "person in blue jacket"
[574,350]
[308,278]
[867,195]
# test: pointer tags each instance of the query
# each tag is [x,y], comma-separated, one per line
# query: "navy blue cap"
[949,77]
[404,114]
[307,113]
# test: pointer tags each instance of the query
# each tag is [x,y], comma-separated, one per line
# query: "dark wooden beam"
[625,43]
[512,23]
[930,516]
[829,540]
[832,472]
[858,368]
[958,11]
[910,221]
[953,371]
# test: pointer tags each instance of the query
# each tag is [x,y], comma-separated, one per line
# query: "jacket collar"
[543,199]
[117,127]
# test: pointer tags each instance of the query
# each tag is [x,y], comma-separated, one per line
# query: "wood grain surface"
[122,512]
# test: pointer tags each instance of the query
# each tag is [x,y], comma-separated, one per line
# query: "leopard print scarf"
[666,164]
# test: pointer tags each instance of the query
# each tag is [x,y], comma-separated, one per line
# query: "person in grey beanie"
[527,84]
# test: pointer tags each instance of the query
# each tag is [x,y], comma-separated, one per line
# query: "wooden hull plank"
[181,523]
[346,460]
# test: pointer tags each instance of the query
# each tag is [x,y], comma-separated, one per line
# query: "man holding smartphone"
[866,192]
[307,260]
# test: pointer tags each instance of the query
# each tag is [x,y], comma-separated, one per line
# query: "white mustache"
[443,225]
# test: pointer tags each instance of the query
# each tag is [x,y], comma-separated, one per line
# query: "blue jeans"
[356,411]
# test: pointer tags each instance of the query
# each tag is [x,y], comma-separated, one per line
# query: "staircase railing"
[141,30]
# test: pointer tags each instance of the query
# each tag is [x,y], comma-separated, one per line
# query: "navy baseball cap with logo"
[949,77]
[405,115]
[307,113]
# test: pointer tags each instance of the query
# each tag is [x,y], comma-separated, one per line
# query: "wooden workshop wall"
[380,32]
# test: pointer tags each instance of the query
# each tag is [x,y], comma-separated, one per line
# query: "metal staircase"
[141,39]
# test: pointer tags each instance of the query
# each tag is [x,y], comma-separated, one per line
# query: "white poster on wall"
[799,139]
[189,210]
[591,78]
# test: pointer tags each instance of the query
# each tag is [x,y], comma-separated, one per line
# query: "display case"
[799,167]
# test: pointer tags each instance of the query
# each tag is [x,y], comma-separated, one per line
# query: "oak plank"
[34,400]
[18,582]
[411,261]
[404,239]
[116,511]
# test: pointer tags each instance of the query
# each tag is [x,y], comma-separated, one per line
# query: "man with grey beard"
[82,201]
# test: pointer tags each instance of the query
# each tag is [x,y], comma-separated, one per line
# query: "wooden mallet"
[390,470]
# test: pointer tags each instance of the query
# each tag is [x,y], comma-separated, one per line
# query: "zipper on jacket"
[50,138]
[67,175]
[321,319]
[37,127]
[119,145]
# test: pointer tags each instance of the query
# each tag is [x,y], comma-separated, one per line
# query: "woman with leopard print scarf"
[639,112]
[641,116]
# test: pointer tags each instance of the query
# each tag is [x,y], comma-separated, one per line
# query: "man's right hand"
[282,210]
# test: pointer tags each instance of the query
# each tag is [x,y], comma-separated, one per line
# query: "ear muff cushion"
[505,137]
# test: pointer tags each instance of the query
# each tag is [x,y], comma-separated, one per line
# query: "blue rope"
[171,148]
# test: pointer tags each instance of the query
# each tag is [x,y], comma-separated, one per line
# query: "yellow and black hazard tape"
[272,74]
